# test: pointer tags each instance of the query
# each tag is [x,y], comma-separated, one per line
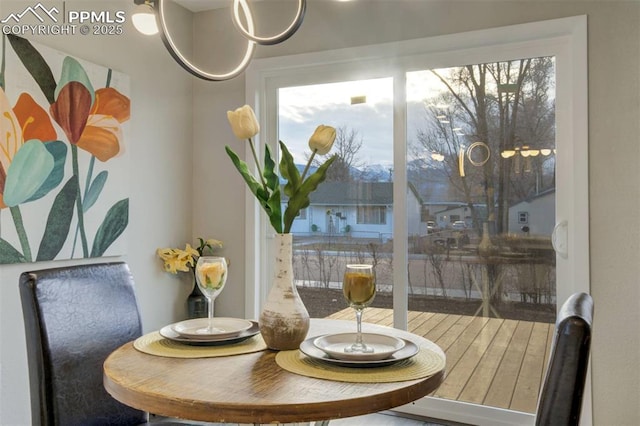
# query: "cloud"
[302,109]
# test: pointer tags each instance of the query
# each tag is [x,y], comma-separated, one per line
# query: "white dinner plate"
[168,333]
[335,345]
[309,349]
[224,327]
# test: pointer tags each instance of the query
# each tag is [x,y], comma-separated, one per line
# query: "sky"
[303,108]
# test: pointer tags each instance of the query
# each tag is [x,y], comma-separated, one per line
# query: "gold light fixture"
[248,31]
[508,153]
[525,151]
[437,157]
[461,161]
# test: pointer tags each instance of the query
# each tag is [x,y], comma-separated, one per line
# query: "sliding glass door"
[461,177]
[481,145]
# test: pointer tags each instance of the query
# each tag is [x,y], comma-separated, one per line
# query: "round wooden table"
[252,388]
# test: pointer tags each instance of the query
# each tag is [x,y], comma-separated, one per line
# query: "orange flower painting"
[68,115]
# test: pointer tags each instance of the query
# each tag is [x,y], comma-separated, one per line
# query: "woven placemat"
[155,344]
[424,364]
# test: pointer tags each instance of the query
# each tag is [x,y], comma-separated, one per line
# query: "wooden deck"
[490,361]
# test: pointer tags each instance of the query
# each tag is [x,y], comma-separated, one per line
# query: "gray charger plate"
[168,333]
[309,349]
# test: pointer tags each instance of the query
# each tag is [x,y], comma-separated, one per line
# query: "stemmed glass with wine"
[359,289]
[211,276]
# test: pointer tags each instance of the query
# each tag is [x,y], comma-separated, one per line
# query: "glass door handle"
[560,238]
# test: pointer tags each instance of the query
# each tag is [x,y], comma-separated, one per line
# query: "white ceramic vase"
[284,320]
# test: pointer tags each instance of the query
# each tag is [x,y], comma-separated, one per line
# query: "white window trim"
[564,38]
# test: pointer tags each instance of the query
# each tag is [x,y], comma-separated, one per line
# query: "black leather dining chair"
[74,318]
[562,391]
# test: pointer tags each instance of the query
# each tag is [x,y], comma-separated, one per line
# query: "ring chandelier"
[239,8]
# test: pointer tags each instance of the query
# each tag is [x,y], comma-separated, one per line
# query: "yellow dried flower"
[177,260]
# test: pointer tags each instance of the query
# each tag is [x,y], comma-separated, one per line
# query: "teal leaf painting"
[30,168]
[94,190]
[58,150]
[59,221]
[8,254]
[114,224]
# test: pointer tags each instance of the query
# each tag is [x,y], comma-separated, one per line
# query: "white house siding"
[318,216]
[413,214]
[327,221]
[541,214]
[443,218]
[300,226]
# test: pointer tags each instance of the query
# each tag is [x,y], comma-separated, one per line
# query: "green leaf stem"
[256,188]
[8,254]
[114,224]
[273,183]
[300,198]
[269,194]
[270,175]
[94,190]
[58,221]
[16,214]
[289,171]
[79,209]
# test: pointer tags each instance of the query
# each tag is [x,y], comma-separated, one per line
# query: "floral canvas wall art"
[63,156]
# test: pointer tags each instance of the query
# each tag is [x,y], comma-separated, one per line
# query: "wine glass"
[211,276]
[359,288]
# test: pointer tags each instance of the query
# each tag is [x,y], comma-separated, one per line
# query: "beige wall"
[614,148]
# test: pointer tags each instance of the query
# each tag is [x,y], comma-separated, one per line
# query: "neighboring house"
[363,209]
[536,213]
[446,213]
